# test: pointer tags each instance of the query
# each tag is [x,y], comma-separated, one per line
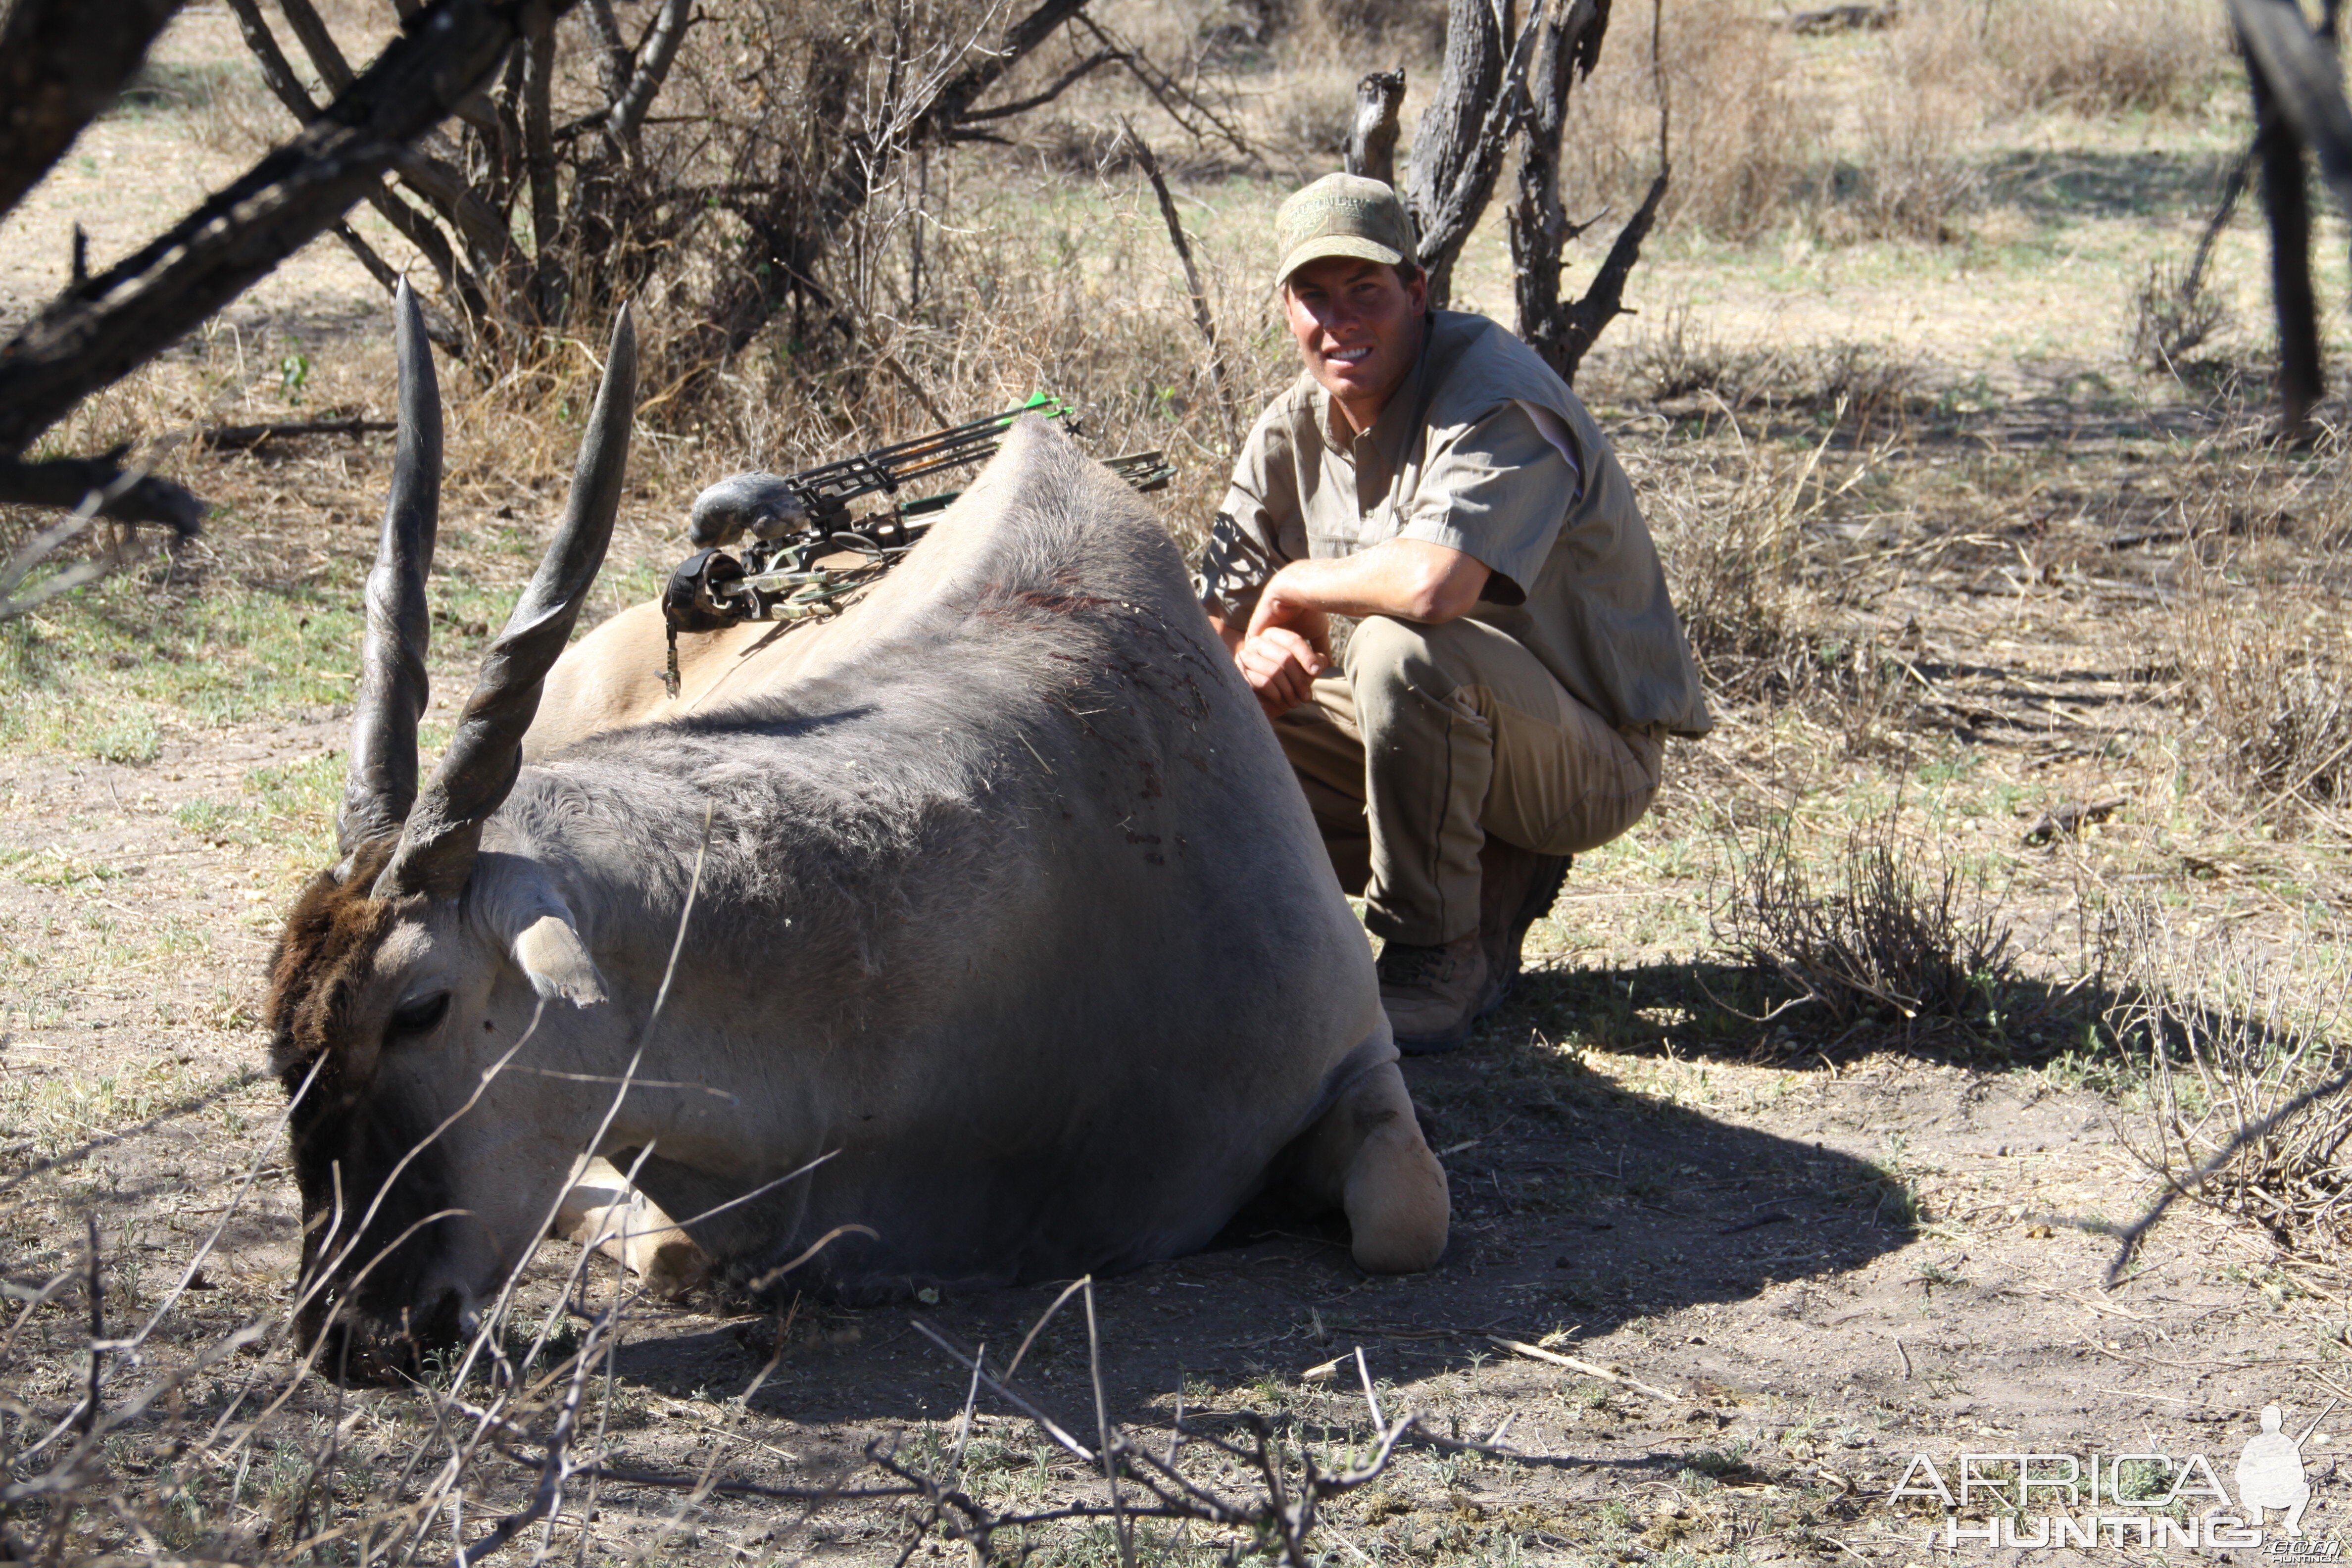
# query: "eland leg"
[601,1211]
[1367,1156]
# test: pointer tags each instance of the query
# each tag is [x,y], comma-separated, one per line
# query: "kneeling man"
[1516,665]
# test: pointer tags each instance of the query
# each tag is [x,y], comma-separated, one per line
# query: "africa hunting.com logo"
[2150,1502]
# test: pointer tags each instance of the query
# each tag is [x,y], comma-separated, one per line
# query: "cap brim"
[1347,244]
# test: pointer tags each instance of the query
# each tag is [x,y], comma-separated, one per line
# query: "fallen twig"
[1589,1369]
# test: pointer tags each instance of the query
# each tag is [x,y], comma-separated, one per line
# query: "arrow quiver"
[802,549]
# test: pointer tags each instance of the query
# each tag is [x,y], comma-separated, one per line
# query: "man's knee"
[1387,656]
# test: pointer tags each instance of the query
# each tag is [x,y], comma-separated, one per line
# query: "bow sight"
[806,549]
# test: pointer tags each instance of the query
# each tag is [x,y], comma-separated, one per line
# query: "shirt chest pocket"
[1337,530]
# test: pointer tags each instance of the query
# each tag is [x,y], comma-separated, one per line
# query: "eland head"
[420,933]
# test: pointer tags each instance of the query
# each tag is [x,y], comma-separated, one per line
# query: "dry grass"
[2239,1045]
[2098,57]
[2176,312]
[1743,128]
[2265,690]
[143,1423]
[2258,641]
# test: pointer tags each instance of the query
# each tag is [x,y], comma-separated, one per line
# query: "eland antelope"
[993,901]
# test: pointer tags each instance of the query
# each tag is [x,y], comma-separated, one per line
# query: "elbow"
[1444,595]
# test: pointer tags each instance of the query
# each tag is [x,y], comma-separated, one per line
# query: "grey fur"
[1011,906]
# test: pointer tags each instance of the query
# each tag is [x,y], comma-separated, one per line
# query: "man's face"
[1357,326]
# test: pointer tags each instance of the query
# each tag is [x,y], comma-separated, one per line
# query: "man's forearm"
[1405,578]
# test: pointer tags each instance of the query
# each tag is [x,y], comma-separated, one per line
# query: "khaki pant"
[1430,738]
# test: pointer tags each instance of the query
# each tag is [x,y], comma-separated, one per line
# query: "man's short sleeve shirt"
[1480,451]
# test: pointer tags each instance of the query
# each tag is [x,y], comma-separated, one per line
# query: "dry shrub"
[2174,313]
[1682,355]
[1885,934]
[1865,383]
[1743,126]
[1873,383]
[1911,184]
[2246,1107]
[1731,559]
[1309,114]
[2103,57]
[1412,30]
[2265,690]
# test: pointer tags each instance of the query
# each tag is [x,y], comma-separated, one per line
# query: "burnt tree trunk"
[1455,154]
[1372,136]
[1560,330]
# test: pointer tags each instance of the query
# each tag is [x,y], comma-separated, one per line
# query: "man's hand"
[1288,640]
[1280,667]
[1280,663]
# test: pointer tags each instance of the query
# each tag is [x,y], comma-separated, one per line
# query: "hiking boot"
[1432,993]
[1516,888]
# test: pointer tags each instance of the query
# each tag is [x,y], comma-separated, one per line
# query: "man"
[1516,665]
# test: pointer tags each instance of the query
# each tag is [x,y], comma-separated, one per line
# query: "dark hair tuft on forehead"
[333,929]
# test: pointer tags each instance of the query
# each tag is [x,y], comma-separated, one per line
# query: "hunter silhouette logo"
[2270,1472]
[2147,1499]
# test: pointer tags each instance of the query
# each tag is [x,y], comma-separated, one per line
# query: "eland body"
[994,900]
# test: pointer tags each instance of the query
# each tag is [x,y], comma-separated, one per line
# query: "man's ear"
[515,903]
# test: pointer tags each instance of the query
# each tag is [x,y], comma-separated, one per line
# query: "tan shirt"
[1485,450]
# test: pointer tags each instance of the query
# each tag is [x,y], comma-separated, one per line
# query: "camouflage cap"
[1342,214]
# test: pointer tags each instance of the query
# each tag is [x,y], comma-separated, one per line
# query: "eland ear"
[515,903]
[549,950]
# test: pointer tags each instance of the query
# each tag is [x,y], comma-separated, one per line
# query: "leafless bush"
[1681,355]
[2101,57]
[1865,384]
[2174,313]
[1886,933]
[1732,562]
[1912,182]
[1733,553]
[1872,384]
[2247,1104]
[2265,690]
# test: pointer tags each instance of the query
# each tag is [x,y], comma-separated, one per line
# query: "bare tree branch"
[1059,86]
[431,178]
[612,54]
[318,44]
[1202,316]
[61,62]
[655,55]
[277,70]
[94,335]
[125,495]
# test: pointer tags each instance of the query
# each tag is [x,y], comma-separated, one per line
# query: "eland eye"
[416,1017]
